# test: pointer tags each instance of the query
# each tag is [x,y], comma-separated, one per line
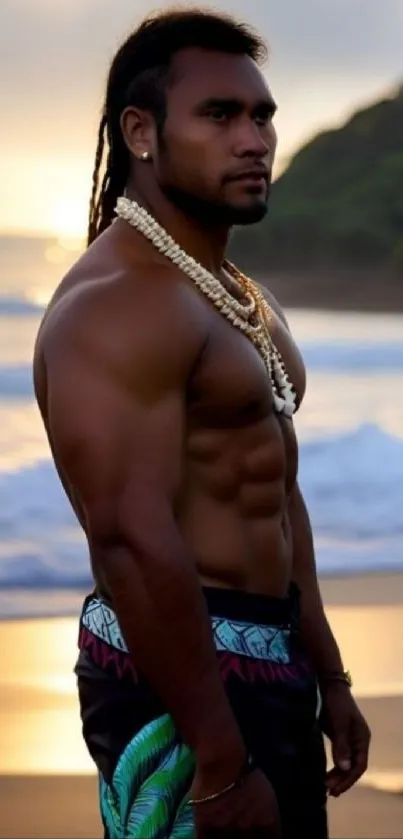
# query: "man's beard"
[215,213]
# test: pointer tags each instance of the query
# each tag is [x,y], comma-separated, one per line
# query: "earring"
[145,155]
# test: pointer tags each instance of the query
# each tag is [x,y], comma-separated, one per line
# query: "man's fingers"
[346,783]
[335,779]
[339,782]
[360,750]
[342,751]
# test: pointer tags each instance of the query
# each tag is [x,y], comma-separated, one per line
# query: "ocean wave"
[19,306]
[352,483]
[41,544]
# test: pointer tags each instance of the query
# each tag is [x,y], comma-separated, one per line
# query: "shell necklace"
[250,314]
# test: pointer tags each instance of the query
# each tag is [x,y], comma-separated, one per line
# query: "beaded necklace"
[251,314]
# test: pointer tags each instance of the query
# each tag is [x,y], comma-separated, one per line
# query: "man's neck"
[206,245]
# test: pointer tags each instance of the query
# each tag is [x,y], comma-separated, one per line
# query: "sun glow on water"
[69,218]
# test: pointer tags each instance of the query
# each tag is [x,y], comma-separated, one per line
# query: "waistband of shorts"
[237,605]
[245,635]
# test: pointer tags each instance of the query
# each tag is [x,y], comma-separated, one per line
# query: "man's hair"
[139,76]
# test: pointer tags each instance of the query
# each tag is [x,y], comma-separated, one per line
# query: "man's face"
[217,149]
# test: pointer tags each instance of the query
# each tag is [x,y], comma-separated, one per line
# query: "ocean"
[350,431]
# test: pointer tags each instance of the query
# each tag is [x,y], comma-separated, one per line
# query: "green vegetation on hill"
[339,205]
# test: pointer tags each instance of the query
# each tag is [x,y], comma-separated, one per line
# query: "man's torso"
[240,458]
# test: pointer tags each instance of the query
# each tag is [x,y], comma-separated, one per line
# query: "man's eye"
[264,115]
[262,119]
[218,115]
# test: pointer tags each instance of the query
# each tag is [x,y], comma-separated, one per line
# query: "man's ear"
[138,132]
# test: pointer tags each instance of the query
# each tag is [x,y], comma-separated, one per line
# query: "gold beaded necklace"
[251,317]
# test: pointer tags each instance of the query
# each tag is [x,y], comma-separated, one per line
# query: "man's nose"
[254,140]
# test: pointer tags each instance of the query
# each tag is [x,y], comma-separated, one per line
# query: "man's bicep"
[116,446]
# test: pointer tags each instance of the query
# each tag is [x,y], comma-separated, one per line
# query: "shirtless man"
[207,670]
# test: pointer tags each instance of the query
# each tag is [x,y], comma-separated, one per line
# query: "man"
[167,387]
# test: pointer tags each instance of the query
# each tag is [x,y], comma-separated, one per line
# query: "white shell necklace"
[251,314]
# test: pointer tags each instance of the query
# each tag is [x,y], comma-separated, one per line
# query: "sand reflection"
[39,718]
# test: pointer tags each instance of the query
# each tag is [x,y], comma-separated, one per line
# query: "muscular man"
[207,671]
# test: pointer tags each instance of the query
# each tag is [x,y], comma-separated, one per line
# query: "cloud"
[355,35]
[326,56]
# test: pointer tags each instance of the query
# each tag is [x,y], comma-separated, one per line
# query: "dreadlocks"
[139,76]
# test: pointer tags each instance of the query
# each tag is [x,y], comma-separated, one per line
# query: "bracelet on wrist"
[248,766]
[343,676]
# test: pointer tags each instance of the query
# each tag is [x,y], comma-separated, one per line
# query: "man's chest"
[231,382]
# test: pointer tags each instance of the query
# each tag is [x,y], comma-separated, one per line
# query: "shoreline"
[354,290]
[353,588]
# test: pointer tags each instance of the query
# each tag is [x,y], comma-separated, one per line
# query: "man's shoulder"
[118,311]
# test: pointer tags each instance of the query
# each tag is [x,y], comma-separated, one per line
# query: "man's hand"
[349,734]
[250,810]
[341,720]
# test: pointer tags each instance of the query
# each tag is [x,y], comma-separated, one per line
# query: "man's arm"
[117,422]
[316,633]
[342,720]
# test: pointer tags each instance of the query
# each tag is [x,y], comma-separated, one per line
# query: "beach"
[48,787]
[56,808]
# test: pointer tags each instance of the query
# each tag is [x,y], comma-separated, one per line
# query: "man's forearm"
[163,616]
[316,632]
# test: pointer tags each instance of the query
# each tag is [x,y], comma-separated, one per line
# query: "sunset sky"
[327,58]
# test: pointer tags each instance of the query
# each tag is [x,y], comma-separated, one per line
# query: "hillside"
[337,212]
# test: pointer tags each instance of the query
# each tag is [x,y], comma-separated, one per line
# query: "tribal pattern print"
[266,643]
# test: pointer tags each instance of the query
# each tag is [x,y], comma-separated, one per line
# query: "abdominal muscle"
[233,514]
